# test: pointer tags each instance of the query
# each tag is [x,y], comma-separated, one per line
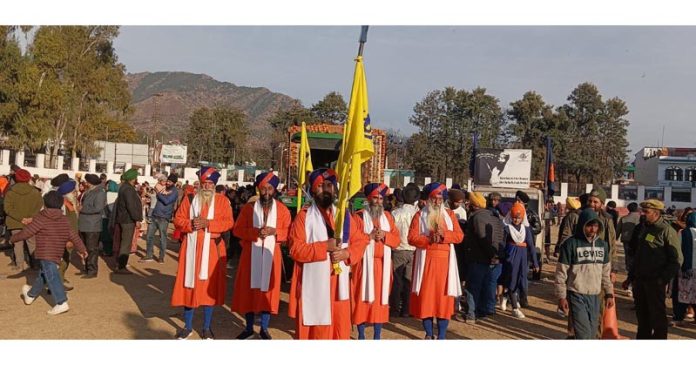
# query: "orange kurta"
[375,312]
[211,291]
[245,299]
[433,301]
[303,252]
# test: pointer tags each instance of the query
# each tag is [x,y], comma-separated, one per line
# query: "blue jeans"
[160,224]
[481,283]
[49,276]
[585,310]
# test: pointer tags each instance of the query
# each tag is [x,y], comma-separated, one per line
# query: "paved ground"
[137,307]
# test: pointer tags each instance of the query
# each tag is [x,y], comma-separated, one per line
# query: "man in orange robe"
[319,297]
[262,226]
[201,277]
[372,277]
[434,231]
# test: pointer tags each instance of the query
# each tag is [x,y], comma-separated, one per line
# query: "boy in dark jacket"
[583,270]
[52,231]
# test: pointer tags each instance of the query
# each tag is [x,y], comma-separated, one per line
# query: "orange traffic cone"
[610,325]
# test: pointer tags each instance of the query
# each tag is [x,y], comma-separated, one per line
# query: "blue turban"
[435,188]
[267,178]
[373,189]
[67,187]
[318,176]
[208,173]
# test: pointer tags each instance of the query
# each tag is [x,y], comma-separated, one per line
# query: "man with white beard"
[372,277]
[319,295]
[434,232]
[201,277]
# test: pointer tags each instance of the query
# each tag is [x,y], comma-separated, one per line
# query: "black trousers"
[91,240]
[127,231]
[651,310]
[402,263]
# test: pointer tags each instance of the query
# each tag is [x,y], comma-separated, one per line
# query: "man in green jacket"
[657,260]
[22,202]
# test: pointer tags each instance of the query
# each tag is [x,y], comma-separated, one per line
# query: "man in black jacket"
[484,254]
[129,214]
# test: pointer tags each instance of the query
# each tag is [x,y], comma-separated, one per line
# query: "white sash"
[262,250]
[316,276]
[454,287]
[192,242]
[367,288]
[517,236]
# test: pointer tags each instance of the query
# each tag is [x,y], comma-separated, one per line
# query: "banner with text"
[503,168]
[172,153]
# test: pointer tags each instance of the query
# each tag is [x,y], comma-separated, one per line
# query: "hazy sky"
[653,69]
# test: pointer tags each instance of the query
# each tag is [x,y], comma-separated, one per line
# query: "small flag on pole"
[550,169]
[305,165]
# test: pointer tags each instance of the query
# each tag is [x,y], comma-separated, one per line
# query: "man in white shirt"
[402,256]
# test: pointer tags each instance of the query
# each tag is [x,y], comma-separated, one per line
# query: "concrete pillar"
[668,196]
[92,165]
[109,167]
[614,192]
[256,173]
[168,169]
[75,164]
[275,173]
[240,177]
[40,160]
[448,182]
[588,188]
[59,162]
[223,177]
[641,193]
[469,184]
[387,180]
[564,191]
[148,170]
[427,181]
[128,166]
[19,158]
[6,157]
[407,180]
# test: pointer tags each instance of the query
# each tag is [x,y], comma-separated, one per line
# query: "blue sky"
[651,68]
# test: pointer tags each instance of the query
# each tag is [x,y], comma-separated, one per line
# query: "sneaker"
[183,334]
[470,320]
[25,294]
[91,275]
[265,335]
[146,259]
[429,338]
[244,335]
[59,308]
[503,303]
[517,313]
[207,334]
[160,260]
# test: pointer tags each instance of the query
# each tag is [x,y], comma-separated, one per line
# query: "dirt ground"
[137,307]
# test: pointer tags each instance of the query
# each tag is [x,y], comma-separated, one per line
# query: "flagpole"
[363,39]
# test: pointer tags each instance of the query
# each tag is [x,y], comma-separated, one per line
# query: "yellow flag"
[356,147]
[305,165]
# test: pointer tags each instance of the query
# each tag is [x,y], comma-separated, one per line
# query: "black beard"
[265,200]
[325,200]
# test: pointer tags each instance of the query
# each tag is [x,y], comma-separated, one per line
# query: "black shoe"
[183,334]
[265,335]
[244,335]
[429,338]
[91,275]
[207,334]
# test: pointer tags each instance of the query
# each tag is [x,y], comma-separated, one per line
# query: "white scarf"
[262,250]
[192,242]
[316,276]
[367,289]
[453,283]
[517,236]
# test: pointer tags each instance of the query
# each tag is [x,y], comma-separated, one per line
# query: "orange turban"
[517,210]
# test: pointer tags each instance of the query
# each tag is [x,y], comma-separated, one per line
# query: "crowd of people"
[434,254]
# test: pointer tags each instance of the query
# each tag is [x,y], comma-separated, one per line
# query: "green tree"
[531,121]
[447,120]
[217,135]
[331,109]
[283,119]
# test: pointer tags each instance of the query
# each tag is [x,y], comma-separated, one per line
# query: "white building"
[670,171]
